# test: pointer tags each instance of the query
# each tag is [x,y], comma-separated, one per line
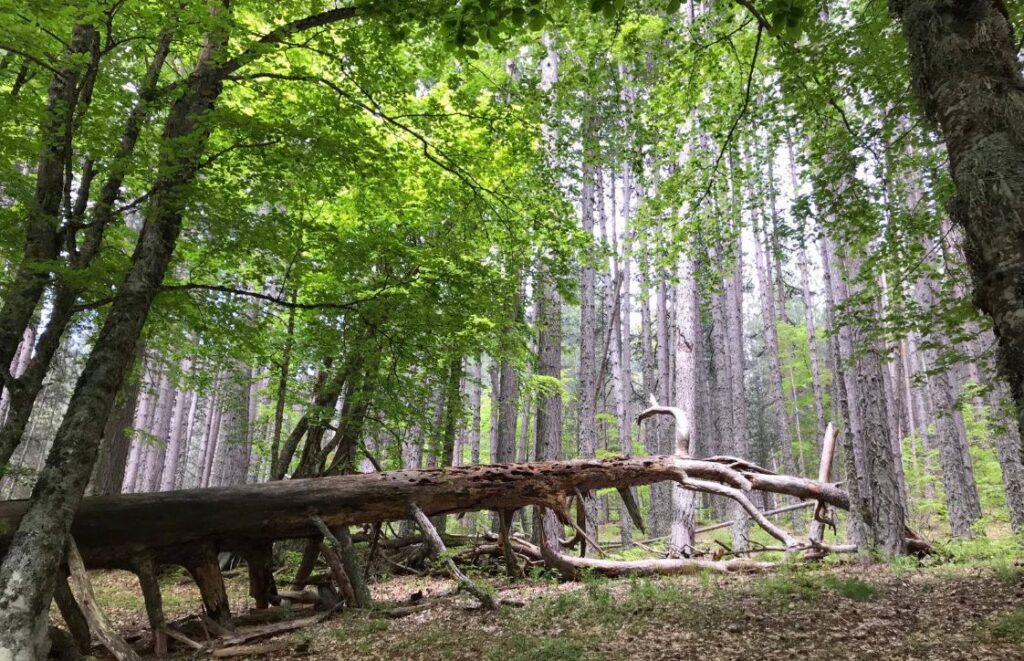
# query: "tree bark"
[116,440]
[586,430]
[549,404]
[29,568]
[687,364]
[475,403]
[176,434]
[771,348]
[111,530]
[41,237]
[967,77]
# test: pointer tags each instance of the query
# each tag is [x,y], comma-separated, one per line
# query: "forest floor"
[834,611]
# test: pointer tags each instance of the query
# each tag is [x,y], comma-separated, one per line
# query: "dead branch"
[440,552]
[682,429]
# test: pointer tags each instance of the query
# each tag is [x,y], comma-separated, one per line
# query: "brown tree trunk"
[117,438]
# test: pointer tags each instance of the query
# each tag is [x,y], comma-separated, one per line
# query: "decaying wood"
[683,566]
[330,555]
[823,515]
[682,425]
[63,645]
[251,650]
[439,551]
[342,542]
[183,639]
[201,562]
[774,512]
[254,633]
[298,597]
[81,588]
[145,569]
[171,525]
[655,566]
[73,616]
[259,558]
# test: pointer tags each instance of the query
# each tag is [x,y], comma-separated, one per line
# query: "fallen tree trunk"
[110,530]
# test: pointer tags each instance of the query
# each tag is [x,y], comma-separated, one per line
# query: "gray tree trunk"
[176,434]
[549,405]
[771,344]
[30,568]
[687,365]
[967,76]
[475,397]
[586,438]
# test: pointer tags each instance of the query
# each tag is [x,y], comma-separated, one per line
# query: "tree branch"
[282,32]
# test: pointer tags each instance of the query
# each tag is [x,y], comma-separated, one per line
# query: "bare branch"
[682,424]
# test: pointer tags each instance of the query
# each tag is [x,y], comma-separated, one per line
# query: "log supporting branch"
[145,569]
[81,588]
[439,551]
[201,563]
[73,616]
[260,559]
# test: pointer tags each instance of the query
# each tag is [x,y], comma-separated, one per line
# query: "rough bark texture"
[28,572]
[33,273]
[687,363]
[586,436]
[111,529]
[116,441]
[475,397]
[771,348]
[549,404]
[967,76]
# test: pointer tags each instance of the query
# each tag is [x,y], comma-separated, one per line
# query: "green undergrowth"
[1008,627]
[814,586]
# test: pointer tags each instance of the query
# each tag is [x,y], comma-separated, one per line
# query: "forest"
[511,329]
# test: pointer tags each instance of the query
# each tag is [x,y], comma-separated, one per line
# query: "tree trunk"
[771,348]
[110,531]
[276,470]
[475,398]
[549,404]
[586,430]
[63,308]
[176,434]
[687,362]
[28,573]
[1007,442]
[41,250]
[117,437]
[967,76]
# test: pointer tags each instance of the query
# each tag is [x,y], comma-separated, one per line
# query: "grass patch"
[810,587]
[1008,627]
[852,587]
[525,648]
[653,595]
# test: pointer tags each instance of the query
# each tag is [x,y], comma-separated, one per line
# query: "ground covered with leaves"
[834,612]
